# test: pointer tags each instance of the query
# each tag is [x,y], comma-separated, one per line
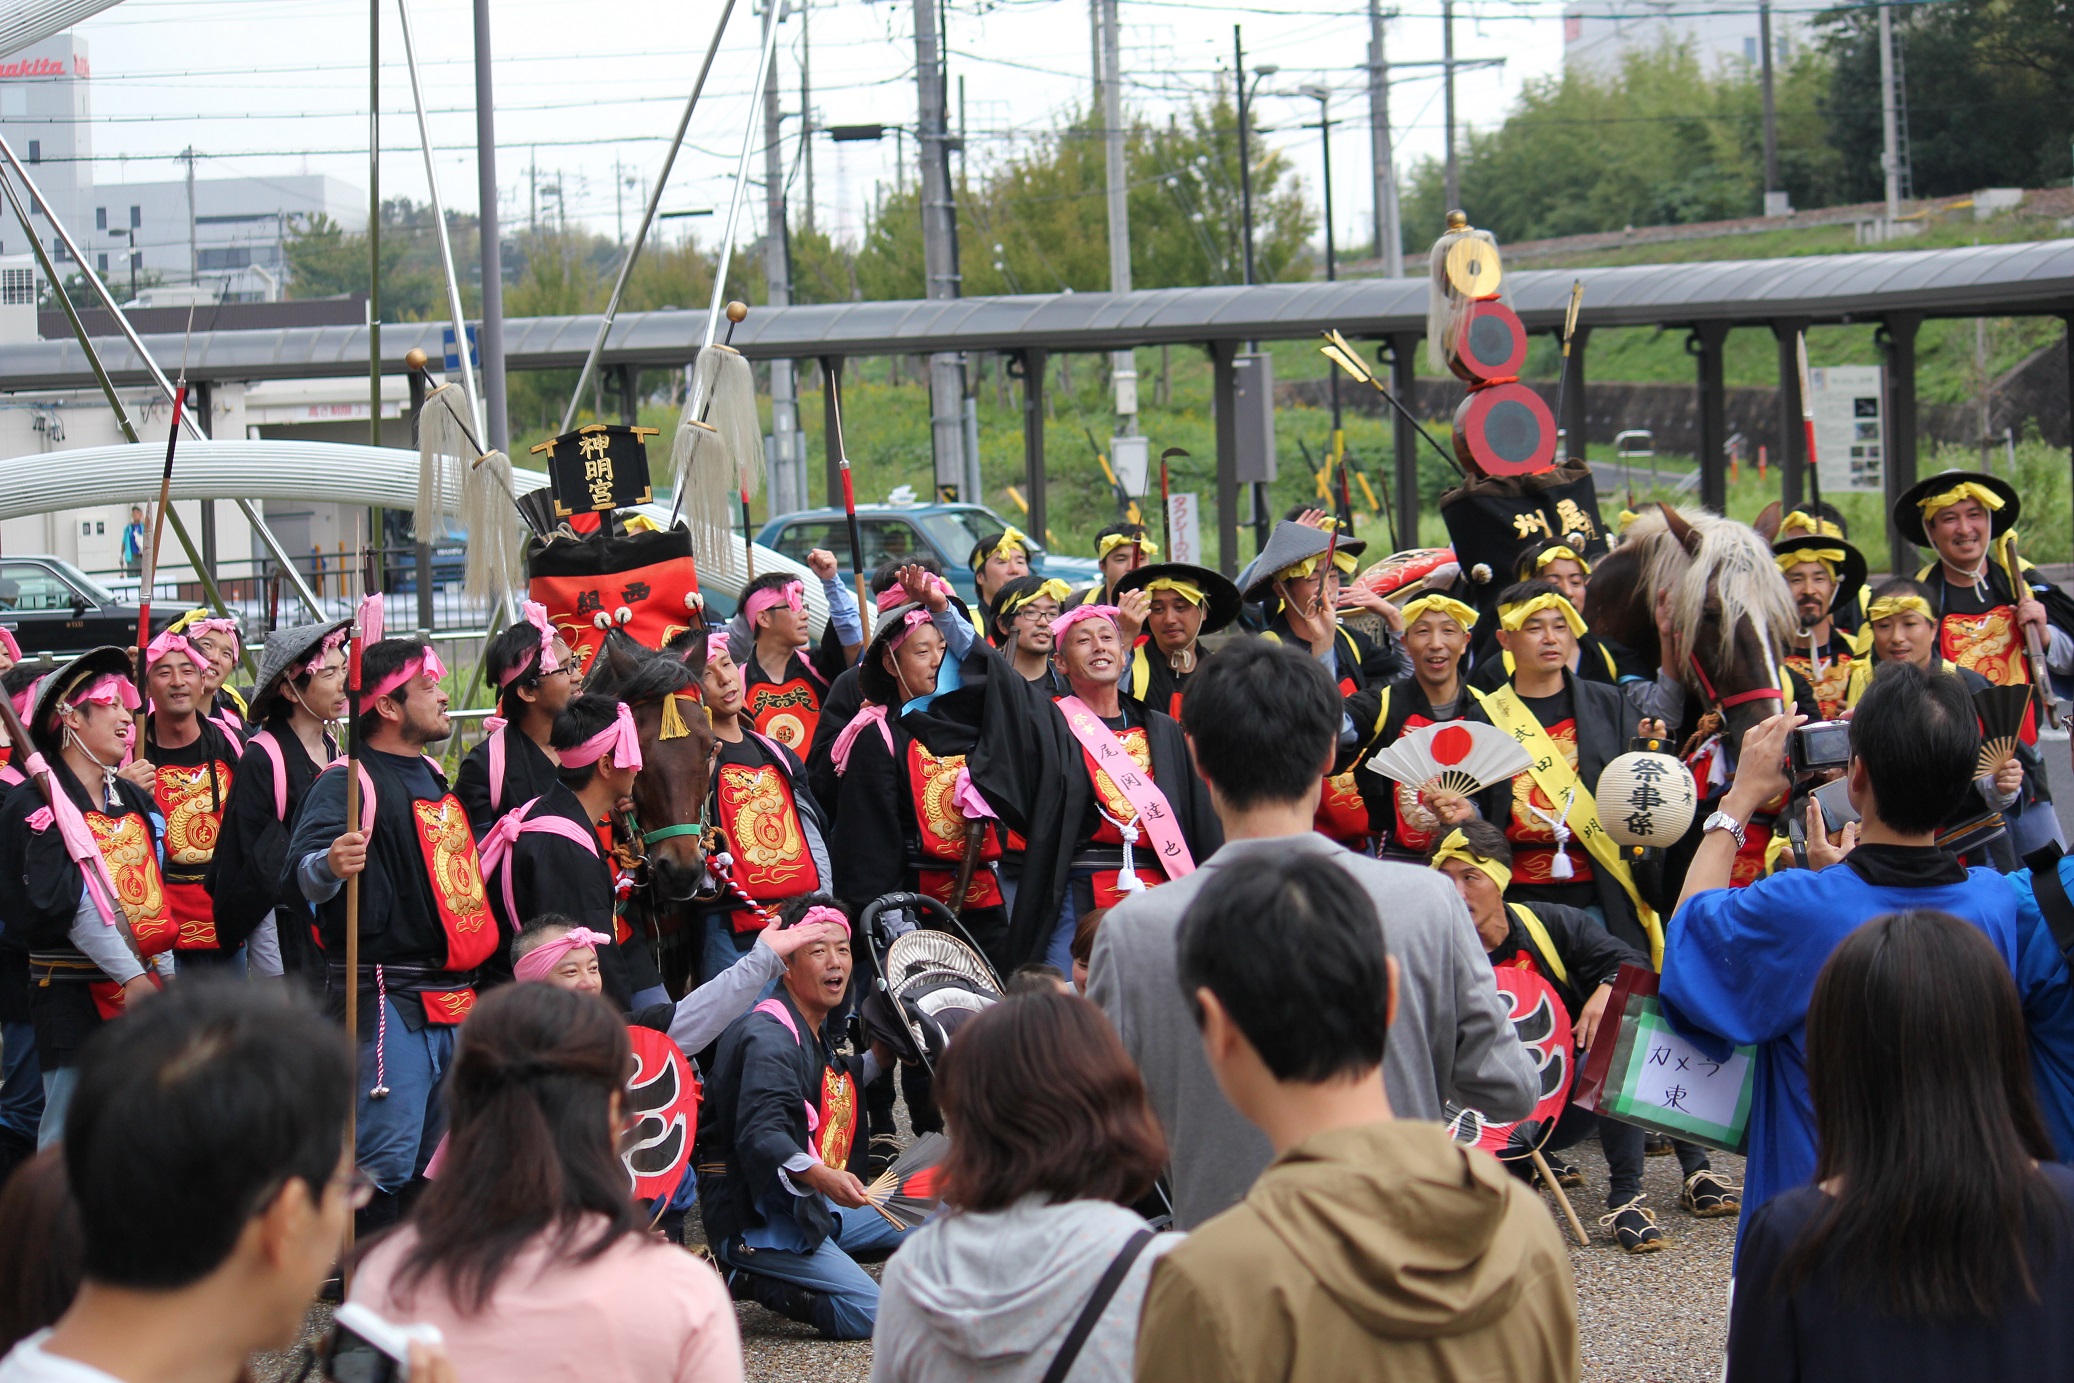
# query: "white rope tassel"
[461,489]
[1127,880]
[1560,867]
[706,453]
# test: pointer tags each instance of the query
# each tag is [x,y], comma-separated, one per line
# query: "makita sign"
[41,67]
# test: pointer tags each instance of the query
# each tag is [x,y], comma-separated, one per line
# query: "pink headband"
[535,615]
[897,595]
[717,643]
[540,962]
[7,641]
[218,626]
[332,643]
[823,914]
[1078,613]
[620,739]
[792,593]
[426,664]
[914,619]
[170,642]
[106,690]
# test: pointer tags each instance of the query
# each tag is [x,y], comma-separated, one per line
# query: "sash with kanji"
[1155,815]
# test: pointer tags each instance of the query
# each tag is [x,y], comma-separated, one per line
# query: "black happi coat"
[249,878]
[528,773]
[1025,761]
[1590,955]
[551,873]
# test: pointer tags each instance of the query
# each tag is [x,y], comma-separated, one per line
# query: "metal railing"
[423,584]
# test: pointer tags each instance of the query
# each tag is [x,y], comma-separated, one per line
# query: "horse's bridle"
[1722,703]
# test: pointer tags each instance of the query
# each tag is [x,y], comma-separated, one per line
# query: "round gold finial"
[416,359]
[1458,220]
[737,311]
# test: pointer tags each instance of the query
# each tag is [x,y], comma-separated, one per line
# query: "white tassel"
[1562,868]
[710,457]
[496,545]
[444,454]
[461,489]
[1127,880]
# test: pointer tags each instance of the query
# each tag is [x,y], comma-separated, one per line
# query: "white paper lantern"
[1646,799]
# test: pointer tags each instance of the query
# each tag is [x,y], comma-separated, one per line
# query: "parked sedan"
[902,531]
[53,607]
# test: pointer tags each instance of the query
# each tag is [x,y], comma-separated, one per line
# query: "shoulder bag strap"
[2051,892]
[1105,1291]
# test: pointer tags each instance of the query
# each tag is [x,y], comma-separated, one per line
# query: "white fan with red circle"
[1458,756]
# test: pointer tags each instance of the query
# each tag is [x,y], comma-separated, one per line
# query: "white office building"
[1600,34]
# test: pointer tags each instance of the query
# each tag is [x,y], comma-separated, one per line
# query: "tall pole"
[1389,239]
[1447,82]
[939,248]
[777,275]
[1331,259]
[1771,112]
[194,258]
[806,153]
[1123,365]
[374,223]
[1890,155]
[1238,49]
[490,335]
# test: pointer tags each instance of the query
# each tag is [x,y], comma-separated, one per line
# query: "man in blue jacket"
[1740,964]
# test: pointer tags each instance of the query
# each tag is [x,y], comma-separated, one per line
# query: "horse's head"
[1727,613]
[676,758]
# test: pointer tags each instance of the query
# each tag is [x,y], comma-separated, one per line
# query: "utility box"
[1254,414]
[1128,456]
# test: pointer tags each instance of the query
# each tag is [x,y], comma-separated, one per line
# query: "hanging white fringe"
[463,491]
[715,459]
[1445,308]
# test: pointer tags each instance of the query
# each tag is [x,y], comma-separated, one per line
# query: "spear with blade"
[1563,372]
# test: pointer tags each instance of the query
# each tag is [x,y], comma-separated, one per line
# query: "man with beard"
[1825,575]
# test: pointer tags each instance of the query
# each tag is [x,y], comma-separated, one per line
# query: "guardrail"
[423,583]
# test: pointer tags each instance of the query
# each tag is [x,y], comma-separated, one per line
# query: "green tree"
[325,260]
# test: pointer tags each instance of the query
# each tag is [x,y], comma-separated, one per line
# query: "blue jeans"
[395,1135]
[1058,952]
[58,1086]
[21,1079]
[722,945]
[829,1269]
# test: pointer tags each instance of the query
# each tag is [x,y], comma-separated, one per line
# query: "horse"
[662,691]
[1712,583]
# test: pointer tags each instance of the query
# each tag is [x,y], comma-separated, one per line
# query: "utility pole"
[1774,196]
[1890,156]
[194,259]
[1389,237]
[806,126]
[1123,365]
[1323,97]
[778,468]
[1453,194]
[939,249]
[1238,50]
[490,336]
[533,192]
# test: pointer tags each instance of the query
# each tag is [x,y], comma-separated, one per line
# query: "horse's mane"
[652,675]
[1733,561]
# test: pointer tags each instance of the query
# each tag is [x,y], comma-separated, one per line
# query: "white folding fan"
[1459,756]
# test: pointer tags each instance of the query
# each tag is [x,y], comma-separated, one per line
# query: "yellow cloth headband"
[1801,521]
[1192,594]
[1888,606]
[1301,571]
[1438,604]
[1012,538]
[1053,587]
[1456,847]
[1558,553]
[1965,489]
[1625,520]
[1827,556]
[1513,618]
[1117,540]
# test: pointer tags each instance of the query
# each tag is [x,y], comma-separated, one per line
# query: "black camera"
[1819,747]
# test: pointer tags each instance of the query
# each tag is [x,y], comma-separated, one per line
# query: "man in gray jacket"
[1263,722]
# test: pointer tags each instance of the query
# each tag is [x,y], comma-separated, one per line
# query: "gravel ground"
[1649,1318]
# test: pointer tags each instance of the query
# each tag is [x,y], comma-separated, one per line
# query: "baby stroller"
[931,979]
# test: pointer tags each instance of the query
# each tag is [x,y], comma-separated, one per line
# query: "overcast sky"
[592,89]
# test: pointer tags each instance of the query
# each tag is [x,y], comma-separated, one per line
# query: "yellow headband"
[1827,556]
[1456,847]
[1513,618]
[1438,604]
[1117,540]
[1625,520]
[1965,489]
[1013,538]
[1301,571]
[1888,606]
[1192,594]
[1053,587]
[1801,521]
[1558,553]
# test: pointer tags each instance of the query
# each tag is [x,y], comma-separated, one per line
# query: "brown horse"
[676,769]
[1713,584]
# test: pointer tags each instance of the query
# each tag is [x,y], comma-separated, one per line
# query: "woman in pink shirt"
[529,1252]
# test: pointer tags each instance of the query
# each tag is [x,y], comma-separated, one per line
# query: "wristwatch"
[1722,821]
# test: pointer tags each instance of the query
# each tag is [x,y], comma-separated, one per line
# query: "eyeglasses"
[360,1188]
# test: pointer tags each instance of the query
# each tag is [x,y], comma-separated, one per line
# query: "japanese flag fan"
[1459,756]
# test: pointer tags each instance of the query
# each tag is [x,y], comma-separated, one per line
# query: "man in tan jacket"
[1369,1248]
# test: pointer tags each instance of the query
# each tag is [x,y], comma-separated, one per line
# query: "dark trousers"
[1622,1145]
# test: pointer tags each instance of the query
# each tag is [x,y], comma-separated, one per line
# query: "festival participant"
[777,835]
[997,559]
[1373,1246]
[784,1210]
[1557,564]
[1578,958]
[1120,549]
[1302,606]
[86,963]
[1901,629]
[1262,721]
[526,1251]
[1739,964]
[1020,626]
[1572,729]
[1180,603]
[191,759]
[10,651]
[1436,639]
[783,691]
[1051,1142]
[1825,520]
[534,675]
[301,691]
[553,854]
[1933,1242]
[1088,838]
[220,638]
[425,923]
[1825,575]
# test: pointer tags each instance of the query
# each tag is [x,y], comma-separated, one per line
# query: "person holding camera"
[1739,964]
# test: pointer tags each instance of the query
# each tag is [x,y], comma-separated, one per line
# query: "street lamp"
[1323,96]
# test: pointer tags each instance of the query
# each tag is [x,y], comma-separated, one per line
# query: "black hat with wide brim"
[287,650]
[1850,573]
[68,679]
[1908,515]
[1288,544]
[873,680]
[1220,595]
